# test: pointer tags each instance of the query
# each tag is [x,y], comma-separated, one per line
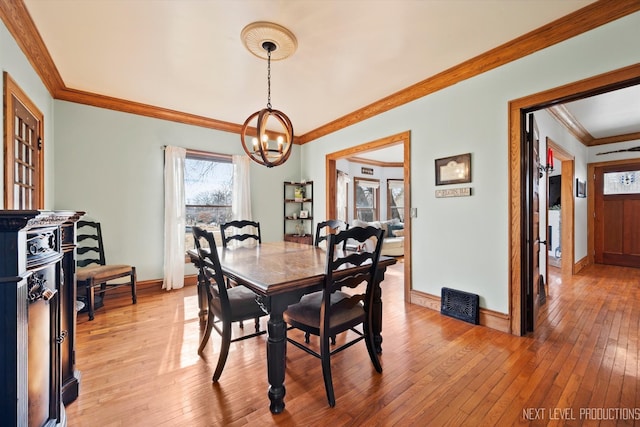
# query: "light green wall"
[463,243]
[110,164]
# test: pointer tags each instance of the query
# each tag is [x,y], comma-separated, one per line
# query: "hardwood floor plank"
[140,366]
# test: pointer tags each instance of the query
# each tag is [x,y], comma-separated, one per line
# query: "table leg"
[276,354]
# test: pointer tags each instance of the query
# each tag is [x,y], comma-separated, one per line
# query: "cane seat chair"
[225,305]
[93,274]
[334,310]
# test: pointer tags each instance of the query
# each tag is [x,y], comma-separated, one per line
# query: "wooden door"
[24,154]
[617,215]
[531,216]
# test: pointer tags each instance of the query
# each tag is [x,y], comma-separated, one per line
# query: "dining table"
[280,273]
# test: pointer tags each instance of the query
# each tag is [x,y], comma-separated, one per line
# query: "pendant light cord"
[269,79]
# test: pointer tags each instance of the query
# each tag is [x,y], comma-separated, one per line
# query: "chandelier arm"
[260,128]
[289,126]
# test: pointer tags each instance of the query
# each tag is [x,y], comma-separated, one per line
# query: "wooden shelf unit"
[297,197]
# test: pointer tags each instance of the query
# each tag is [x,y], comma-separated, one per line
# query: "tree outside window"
[366,199]
[208,186]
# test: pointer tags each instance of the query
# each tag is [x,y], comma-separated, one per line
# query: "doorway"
[518,108]
[403,138]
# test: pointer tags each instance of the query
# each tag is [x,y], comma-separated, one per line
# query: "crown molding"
[16,18]
[375,162]
[569,121]
[88,98]
[19,23]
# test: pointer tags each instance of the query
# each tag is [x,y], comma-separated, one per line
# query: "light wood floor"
[140,367]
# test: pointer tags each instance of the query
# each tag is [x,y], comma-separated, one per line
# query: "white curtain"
[241,197]
[174,217]
[341,196]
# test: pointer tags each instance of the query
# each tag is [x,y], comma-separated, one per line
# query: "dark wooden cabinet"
[68,314]
[37,316]
[298,212]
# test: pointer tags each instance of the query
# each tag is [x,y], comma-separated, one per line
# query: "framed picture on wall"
[581,188]
[454,169]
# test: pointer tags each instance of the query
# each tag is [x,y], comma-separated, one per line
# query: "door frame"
[567,215]
[331,171]
[602,83]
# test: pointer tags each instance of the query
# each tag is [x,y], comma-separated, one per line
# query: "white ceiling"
[609,114]
[187,55]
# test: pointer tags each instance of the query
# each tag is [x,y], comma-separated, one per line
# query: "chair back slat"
[330,226]
[90,248]
[240,233]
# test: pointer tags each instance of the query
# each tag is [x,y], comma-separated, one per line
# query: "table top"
[271,268]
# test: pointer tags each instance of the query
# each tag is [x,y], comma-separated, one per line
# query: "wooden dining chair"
[93,274]
[330,226]
[241,233]
[334,311]
[225,305]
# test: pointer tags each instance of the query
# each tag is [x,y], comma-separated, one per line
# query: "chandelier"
[260,141]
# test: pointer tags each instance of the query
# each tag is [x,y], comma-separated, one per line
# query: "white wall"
[110,164]
[463,242]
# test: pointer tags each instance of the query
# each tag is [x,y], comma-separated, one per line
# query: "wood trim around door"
[331,212]
[567,216]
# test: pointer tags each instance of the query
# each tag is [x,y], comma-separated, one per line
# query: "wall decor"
[454,169]
[581,188]
[453,192]
[366,171]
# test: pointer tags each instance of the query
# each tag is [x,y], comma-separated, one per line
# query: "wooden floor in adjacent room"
[140,366]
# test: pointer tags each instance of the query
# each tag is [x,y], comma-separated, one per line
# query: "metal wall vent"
[460,305]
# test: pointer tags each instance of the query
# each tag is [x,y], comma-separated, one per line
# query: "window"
[24,154]
[395,199]
[627,182]
[208,187]
[366,199]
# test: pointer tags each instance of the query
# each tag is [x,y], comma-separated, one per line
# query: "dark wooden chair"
[330,226]
[241,234]
[333,311]
[225,305]
[93,272]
